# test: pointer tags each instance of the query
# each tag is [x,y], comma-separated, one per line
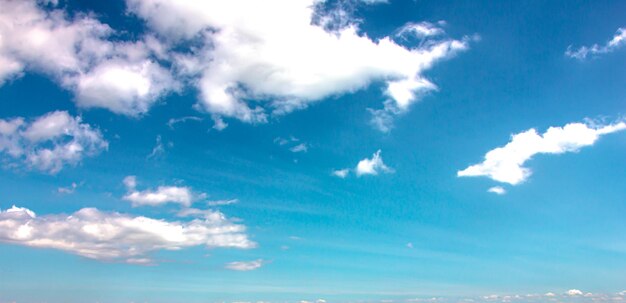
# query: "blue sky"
[318,151]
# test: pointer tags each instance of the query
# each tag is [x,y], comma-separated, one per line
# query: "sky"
[312,151]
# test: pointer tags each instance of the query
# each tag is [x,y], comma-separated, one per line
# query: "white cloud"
[506,164]
[618,40]
[159,196]
[271,52]
[498,190]
[111,236]
[341,173]
[49,142]
[574,292]
[372,166]
[123,77]
[245,265]
[302,147]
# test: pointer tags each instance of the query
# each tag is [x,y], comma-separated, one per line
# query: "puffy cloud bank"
[111,236]
[247,58]
[48,142]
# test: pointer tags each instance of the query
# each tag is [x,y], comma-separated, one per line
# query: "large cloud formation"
[271,50]
[111,236]
[506,164]
[248,59]
[49,142]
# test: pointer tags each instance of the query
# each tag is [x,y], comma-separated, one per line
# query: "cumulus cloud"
[111,236]
[184,196]
[245,265]
[271,52]
[124,77]
[372,166]
[49,142]
[618,40]
[506,164]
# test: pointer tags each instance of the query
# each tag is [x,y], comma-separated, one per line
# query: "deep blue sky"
[414,231]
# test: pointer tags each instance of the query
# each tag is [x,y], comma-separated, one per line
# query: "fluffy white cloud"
[618,40]
[506,164]
[498,190]
[159,196]
[111,236]
[372,166]
[49,142]
[272,51]
[123,77]
[245,265]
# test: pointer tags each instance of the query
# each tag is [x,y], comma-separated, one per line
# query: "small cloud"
[159,196]
[409,245]
[158,150]
[618,40]
[218,123]
[68,190]
[372,166]
[341,173]
[302,147]
[173,121]
[574,292]
[498,190]
[245,265]
[222,202]
[549,294]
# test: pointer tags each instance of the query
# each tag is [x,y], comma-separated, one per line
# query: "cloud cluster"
[618,40]
[182,195]
[78,53]
[111,236]
[506,164]
[48,142]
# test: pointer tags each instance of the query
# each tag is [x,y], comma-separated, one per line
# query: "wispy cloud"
[618,40]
